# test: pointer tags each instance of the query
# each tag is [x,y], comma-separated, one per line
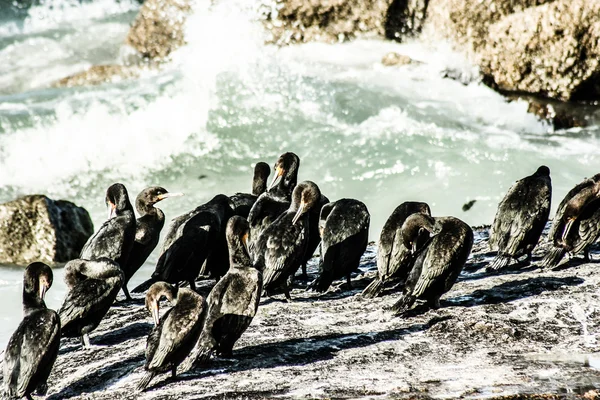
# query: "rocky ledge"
[520,334]
[36,228]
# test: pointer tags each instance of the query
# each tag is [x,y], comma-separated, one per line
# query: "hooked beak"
[245,242]
[567,228]
[155,314]
[321,230]
[413,248]
[43,290]
[278,175]
[299,213]
[112,210]
[167,195]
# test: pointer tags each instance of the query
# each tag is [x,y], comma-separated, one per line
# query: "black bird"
[577,223]
[282,245]
[394,260]
[314,236]
[147,230]
[115,237]
[521,217]
[93,287]
[243,202]
[233,302]
[344,227]
[175,334]
[438,263]
[193,239]
[276,200]
[33,347]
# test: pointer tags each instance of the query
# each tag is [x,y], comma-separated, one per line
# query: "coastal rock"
[298,21]
[99,74]
[519,334]
[559,114]
[551,50]
[36,228]
[392,59]
[159,28]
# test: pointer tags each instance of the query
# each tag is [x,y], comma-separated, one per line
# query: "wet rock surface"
[523,333]
[36,228]
[100,74]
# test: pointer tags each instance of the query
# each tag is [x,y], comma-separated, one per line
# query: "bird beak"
[167,195]
[155,314]
[278,174]
[321,230]
[413,248]
[298,213]
[567,228]
[43,289]
[112,210]
[245,242]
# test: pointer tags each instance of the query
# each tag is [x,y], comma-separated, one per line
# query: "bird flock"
[254,245]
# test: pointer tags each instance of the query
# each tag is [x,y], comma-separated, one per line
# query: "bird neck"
[238,254]
[32,302]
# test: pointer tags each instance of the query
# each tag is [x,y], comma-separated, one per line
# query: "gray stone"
[36,228]
[391,59]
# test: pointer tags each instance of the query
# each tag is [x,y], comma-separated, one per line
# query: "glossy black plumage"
[521,217]
[282,245]
[193,239]
[276,200]
[115,237]
[147,231]
[175,334]
[344,227]
[577,222]
[394,260]
[438,263]
[233,302]
[92,288]
[33,347]
[242,202]
[314,237]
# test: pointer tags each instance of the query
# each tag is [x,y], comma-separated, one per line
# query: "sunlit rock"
[36,228]
[391,59]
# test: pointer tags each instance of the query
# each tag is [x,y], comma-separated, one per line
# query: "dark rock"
[36,228]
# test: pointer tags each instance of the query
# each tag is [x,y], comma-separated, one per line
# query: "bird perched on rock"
[521,217]
[33,347]
[233,302]
[147,231]
[276,199]
[577,222]
[175,334]
[92,288]
[394,260]
[281,247]
[314,236]
[115,237]
[438,263]
[344,228]
[243,202]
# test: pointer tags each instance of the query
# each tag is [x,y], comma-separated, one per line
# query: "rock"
[392,58]
[99,74]
[159,28]
[297,21]
[551,50]
[36,228]
[520,334]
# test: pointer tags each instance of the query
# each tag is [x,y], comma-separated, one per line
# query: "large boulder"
[552,50]
[36,228]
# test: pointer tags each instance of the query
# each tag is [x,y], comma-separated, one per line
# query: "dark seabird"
[577,223]
[33,348]
[521,218]
[233,302]
[344,227]
[276,200]
[281,247]
[438,262]
[314,236]
[193,239]
[175,334]
[147,230]
[394,260]
[93,287]
[243,202]
[115,237]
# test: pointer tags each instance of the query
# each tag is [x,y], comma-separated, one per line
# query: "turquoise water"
[383,135]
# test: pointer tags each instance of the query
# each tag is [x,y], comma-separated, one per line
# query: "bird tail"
[374,289]
[501,261]
[404,303]
[145,381]
[144,286]
[553,257]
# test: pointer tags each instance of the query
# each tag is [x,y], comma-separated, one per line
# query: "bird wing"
[86,297]
[280,251]
[589,226]
[107,242]
[554,230]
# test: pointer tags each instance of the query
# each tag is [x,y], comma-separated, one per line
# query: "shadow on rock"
[133,331]
[510,291]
